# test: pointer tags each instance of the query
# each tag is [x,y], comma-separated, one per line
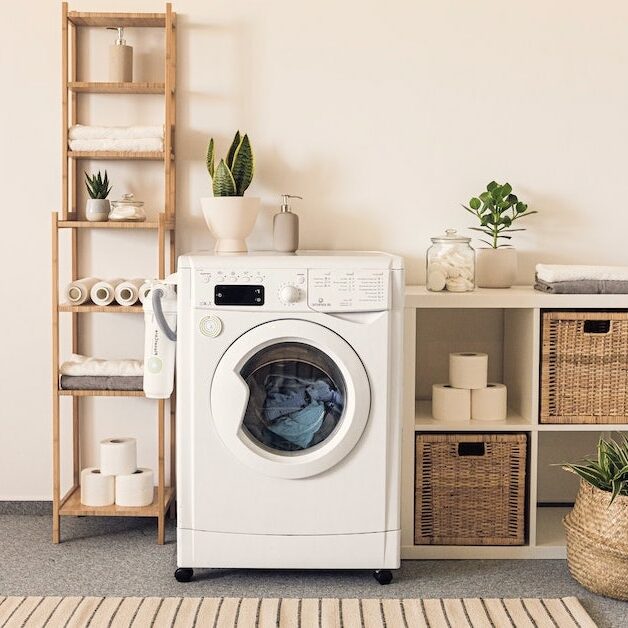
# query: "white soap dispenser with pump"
[286,227]
[120,58]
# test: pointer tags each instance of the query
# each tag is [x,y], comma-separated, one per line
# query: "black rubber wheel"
[184,574]
[383,576]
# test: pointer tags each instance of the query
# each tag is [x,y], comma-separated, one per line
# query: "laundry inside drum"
[296,400]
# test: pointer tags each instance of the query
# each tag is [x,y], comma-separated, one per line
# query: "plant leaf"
[210,158]
[475,203]
[243,166]
[491,186]
[232,150]
[223,183]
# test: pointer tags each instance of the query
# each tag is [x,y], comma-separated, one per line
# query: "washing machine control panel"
[325,290]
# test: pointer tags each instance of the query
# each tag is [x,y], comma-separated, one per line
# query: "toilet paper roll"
[118,456]
[135,489]
[490,403]
[450,404]
[468,370]
[97,489]
[127,292]
[104,292]
[78,291]
[144,289]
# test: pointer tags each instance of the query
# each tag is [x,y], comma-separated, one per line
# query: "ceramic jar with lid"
[450,263]
[127,208]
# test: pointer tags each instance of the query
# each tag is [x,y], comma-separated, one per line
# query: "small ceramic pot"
[97,209]
[231,220]
[496,268]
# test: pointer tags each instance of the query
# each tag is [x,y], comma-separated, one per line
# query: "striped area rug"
[178,612]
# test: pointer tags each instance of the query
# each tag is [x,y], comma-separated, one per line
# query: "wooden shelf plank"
[100,393]
[423,422]
[148,155]
[73,506]
[116,88]
[128,309]
[85,224]
[82,18]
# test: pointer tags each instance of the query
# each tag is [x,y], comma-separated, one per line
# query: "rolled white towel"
[144,289]
[129,145]
[78,291]
[126,293]
[87,132]
[104,292]
[80,365]
[551,273]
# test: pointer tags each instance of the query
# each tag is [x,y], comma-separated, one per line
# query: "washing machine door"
[290,398]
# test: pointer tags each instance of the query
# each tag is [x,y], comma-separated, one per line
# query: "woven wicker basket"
[584,367]
[597,542]
[470,489]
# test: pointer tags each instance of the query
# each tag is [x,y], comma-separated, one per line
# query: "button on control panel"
[210,326]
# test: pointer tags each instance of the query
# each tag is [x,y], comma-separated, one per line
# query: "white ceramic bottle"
[120,59]
[286,227]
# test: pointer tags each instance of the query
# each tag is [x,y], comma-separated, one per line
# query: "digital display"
[230,294]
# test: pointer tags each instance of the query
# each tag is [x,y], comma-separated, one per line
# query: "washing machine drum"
[291,398]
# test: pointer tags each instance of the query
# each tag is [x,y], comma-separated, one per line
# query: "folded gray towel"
[102,382]
[582,286]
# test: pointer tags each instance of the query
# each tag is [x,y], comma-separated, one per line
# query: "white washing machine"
[289,411]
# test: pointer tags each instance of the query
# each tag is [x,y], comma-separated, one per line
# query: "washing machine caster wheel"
[184,574]
[383,576]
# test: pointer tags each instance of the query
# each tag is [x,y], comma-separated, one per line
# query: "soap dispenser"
[286,227]
[120,59]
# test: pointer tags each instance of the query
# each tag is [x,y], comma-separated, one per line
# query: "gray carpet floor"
[120,557]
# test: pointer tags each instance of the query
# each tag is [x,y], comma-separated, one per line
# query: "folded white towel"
[552,273]
[85,132]
[83,365]
[129,145]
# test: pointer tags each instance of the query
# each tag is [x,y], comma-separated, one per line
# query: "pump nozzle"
[120,41]
[285,203]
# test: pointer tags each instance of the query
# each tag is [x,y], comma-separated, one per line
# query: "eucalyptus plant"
[97,185]
[233,174]
[609,470]
[497,209]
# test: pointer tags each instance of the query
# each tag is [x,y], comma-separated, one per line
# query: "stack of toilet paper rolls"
[118,480]
[468,395]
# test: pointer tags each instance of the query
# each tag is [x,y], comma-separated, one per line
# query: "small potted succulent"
[97,206]
[497,209]
[230,215]
[597,527]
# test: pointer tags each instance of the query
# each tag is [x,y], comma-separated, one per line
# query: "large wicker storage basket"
[470,489]
[597,542]
[584,367]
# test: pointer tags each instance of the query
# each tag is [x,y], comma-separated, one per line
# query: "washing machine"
[289,411]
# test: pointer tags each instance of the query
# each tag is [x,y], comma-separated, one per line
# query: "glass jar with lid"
[127,208]
[450,263]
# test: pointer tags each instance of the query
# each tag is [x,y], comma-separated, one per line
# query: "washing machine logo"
[154,364]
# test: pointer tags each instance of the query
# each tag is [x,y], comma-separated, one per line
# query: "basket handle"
[471,449]
[597,326]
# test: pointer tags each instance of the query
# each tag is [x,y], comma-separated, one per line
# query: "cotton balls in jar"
[450,263]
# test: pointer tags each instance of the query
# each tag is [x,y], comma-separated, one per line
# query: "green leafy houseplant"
[233,174]
[608,471]
[497,209]
[97,186]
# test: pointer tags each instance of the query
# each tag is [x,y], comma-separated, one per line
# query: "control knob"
[289,294]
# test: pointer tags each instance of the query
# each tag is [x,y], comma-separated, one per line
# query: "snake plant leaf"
[223,183]
[237,139]
[243,166]
[210,158]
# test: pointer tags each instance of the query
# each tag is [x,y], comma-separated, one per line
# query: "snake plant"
[97,185]
[609,470]
[497,209]
[233,174]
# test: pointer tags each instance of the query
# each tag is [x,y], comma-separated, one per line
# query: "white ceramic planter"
[231,220]
[97,209]
[495,268]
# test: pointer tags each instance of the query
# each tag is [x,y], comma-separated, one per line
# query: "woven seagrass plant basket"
[597,542]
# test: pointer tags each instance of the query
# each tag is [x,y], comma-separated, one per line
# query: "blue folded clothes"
[299,427]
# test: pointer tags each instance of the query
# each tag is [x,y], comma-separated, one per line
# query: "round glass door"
[290,398]
[296,397]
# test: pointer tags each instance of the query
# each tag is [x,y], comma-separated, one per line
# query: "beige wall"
[383,115]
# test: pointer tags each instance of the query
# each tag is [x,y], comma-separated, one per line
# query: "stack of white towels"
[117,480]
[82,372]
[106,291]
[581,279]
[116,138]
[468,395]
